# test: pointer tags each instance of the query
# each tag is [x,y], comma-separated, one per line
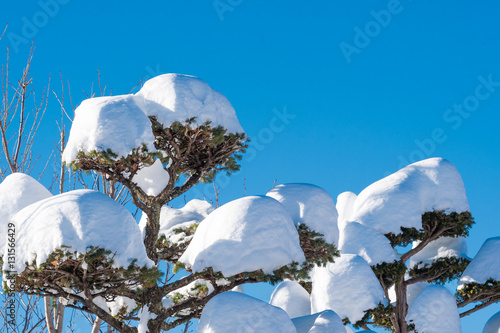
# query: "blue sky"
[338,94]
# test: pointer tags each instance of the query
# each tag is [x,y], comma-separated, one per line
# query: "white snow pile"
[120,123]
[493,324]
[174,222]
[399,200]
[177,97]
[244,235]
[119,303]
[236,312]
[485,265]
[111,122]
[323,322]
[17,191]
[152,179]
[78,219]
[345,207]
[293,298]
[366,242]
[348,287]
[144,317]
[310,205]
[435,311]
[444,247]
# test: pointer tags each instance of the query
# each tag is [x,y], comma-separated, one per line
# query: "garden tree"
[87,250]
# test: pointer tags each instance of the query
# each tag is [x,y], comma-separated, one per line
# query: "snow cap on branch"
[399,200]
[237,312]
[293,298]
[323,322]
[485,265]
[310,205]
[244,235]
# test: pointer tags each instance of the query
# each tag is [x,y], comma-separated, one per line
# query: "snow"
[152,179]
[435,311]
[177,97]
[78,219]
[311,205]
[485,265]
[236,312]
[493,324]
[191,290]
[366,242]
[347,287]
[345,207]
[121,123]
[293,298]
[120,302]
[172,219]
[144,317]
[244,235]
[111,122]
[399,200]
[322,322]
[444,247]
[17,191]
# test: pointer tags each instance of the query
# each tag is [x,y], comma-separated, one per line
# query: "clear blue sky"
[354,98]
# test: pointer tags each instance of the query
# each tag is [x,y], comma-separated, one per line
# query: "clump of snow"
[17,191]
[444,247]
[345,207]
[78,219]
[112,122]
[493,324]
[174,221]
[399,200]
[366,242]
[152,179]
[119,303]
[412,291]
[197,288]
[311,205]
[239,289]
[348,287]
[323,322]
[293,298]
[244,235]
[485,265]
[144,317]
[435,311]
[237,312]
[177,97]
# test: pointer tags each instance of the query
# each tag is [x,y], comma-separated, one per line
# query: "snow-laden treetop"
[400,199]
[120,123]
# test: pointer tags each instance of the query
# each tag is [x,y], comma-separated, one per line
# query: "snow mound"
[119,303]
[112,122]
[399,200]
[173,221]
[293,298]
[435,311]
[347,287]
[177,97]
[322,322]
[152,179]
[345,207]
[366,242]
[236,312]
[493,324]
[78,219]
[485,265]
[444,247]
[244,235]
[311,205]
[17,191]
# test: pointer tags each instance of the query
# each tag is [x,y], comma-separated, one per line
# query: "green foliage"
[390,273]
[480,292]
[316,249]
[442,270]
[449,225]
[379,317]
